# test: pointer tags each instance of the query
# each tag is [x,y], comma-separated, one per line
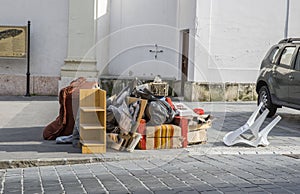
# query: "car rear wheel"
[265,97]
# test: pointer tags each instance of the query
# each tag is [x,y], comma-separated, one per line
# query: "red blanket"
[69,101]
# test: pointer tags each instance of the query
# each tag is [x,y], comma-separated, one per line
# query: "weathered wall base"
[39,85]
[220,92]
[194,91]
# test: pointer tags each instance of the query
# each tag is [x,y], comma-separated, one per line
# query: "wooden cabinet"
[93,120]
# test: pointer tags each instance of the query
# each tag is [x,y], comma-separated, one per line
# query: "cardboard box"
[195,132]
[196,127]
[199,136]
[184,110]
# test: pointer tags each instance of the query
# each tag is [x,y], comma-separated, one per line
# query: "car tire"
[265,97]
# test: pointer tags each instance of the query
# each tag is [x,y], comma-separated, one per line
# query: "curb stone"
[63,161]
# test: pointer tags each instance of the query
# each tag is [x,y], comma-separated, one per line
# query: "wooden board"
[93,149]
[93,120]
[142,110]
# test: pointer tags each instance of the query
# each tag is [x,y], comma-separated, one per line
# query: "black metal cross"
[156,51]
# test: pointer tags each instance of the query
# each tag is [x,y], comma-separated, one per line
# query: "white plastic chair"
[259,137]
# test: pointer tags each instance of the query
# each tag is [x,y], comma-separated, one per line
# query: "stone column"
[81,39]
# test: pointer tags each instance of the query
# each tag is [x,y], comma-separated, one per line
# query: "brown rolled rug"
[69,101]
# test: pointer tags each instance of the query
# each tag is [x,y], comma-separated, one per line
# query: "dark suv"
[278,83]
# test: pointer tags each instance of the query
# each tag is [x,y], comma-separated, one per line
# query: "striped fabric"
[162,131]
[160,143]
[160,137]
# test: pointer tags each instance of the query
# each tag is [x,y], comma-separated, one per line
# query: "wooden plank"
[91,126]
[92,109]
[93,149]
[200,126]
[143,105]
[90,142]
[94,118]
[93,135]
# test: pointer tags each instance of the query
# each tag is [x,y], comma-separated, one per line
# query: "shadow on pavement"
[31,98]
[30,139]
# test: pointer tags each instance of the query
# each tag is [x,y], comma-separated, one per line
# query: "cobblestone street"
[185,174]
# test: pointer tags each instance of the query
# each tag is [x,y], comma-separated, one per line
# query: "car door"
[281,73]
[294,77]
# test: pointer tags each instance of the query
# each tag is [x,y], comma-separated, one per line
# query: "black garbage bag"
[157,111]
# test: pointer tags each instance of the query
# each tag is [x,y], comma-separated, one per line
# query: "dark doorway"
[184,58]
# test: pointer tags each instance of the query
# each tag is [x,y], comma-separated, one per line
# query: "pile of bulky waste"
[140,116]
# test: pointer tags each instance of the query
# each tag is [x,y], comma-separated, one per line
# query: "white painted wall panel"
[294,19]
[102,35]
[228,38]
[136,26]
[49,19]
[236,35]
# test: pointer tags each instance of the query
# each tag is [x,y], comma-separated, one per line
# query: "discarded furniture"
[197,124]
[92,106]
[179,134]
[259,137]
[196,132]
[166,136]
[63,125]
[127,140]
[197,129]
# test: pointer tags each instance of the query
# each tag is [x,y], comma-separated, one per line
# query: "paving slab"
[184,174]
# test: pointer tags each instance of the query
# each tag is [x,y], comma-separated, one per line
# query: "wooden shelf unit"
[93,121]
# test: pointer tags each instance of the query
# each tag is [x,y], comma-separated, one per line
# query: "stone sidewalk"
[206,174]
[22,120]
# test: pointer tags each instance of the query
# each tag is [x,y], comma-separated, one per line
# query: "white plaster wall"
[49,28]
[187,20]
[186,14]
[136,26]
[130,47]
[102,36]
[294,19]
[233,36]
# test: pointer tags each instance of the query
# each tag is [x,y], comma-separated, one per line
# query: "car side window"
[297,63]
[287,56]
[273,54]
